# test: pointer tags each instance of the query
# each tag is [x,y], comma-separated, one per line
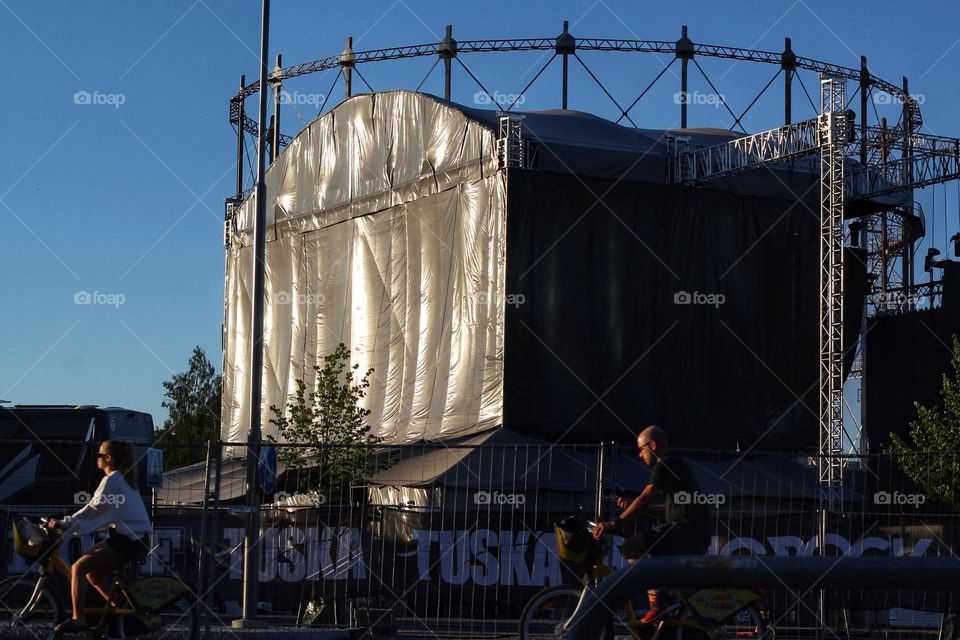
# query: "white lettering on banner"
[291,567]
[513,562]
[468,555]
[782,545]
[268,555]
[454,559]
[163,543]
[279,558]
[235,544]
[524,558]
[482,557]
[424,540]
[487,570]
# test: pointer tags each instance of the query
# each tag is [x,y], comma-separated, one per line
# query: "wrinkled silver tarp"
[385,226]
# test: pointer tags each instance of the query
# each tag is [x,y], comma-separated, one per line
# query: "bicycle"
[33,608]
[714,614]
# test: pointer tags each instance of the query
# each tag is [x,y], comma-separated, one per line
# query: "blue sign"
[154,468]
[268,468]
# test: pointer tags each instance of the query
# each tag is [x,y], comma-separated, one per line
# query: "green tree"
[936,429]
[193,399]
[332,425]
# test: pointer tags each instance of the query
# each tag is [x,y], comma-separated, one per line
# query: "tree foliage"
[937,431]
[330,425]
[193,399]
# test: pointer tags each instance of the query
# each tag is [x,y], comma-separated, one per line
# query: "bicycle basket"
[575,545]
[28,538]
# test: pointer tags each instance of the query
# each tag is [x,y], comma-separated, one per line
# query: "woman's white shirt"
[114,503]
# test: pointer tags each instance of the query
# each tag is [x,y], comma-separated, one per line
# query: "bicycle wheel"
[750,623]
[39,621]
[181,619]
[546,612]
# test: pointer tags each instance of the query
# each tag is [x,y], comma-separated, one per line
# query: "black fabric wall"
[596,347]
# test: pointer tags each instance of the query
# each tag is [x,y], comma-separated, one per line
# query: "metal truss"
[748,152]
[511,143]
[932,159]
[449,48]
[833,135]
[883,241]
[250,126]
[922,168]
[896,300]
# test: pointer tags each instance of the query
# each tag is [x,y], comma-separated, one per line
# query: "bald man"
[685,530]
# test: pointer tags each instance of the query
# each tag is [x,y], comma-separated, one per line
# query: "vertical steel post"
[447,51]
[271,150]
[564,46]
[251,542]
[884,228]
[601,461]
[241,117]
[788,62]
[684,51]
[275,125]
[833,134]
[214,528]
[906,152]
[864,104]
[203,556]
[347,61]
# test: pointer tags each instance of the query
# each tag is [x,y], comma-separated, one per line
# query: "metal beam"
[795,572]
[833,133]
[586,44]
[747,152]
[932,159]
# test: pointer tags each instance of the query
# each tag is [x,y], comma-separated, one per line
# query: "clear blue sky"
[124,196]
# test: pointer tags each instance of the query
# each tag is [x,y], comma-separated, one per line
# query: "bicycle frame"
[164,590]
[708,608]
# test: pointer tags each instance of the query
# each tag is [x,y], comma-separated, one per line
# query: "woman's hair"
[123,459]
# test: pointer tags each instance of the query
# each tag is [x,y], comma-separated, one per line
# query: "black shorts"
[666,539]
[128,548]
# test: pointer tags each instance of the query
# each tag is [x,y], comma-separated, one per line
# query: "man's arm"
[640,504]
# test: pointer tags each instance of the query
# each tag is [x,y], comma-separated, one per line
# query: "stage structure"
[569,277]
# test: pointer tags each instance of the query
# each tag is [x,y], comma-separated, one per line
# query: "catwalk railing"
[456,538]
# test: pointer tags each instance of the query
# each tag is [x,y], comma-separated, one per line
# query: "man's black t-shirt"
[672,476]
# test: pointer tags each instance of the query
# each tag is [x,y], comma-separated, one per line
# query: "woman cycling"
[115,504]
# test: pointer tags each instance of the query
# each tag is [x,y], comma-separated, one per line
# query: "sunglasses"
[102,455]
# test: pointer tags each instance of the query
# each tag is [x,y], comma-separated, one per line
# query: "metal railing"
[456,538]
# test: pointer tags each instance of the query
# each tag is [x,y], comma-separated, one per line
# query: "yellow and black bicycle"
[32,606]
[697,614]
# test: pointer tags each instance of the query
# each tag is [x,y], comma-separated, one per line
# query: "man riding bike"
[115,504]
[685,530]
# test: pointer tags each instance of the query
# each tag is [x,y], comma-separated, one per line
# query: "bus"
[48,452]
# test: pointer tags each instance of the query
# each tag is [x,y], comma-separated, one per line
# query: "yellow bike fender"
[156,593]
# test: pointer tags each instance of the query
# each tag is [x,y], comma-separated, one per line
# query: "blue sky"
[123,196]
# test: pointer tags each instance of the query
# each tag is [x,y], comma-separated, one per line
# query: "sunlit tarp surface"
[386,233]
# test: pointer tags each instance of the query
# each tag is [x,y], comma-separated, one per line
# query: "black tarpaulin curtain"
[617,319]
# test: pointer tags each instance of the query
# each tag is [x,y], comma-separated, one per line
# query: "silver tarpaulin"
[386,231]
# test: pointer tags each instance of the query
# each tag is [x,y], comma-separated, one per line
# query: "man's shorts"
[668,539]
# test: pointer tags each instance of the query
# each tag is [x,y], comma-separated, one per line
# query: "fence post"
[598,516]
[203,554]
[208,531]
